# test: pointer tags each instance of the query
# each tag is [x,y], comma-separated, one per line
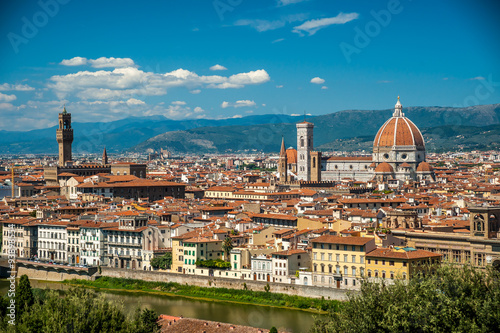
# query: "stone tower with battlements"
[64,138]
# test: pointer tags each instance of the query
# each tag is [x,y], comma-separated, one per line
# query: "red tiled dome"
[424,167]
[384,167]
[398,131]
[291,155]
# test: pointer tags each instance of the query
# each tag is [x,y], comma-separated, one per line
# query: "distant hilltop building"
[66,169]
[398,153]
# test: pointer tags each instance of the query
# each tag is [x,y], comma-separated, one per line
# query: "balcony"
[124,244]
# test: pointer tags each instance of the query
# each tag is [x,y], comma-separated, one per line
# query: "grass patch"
[223,294]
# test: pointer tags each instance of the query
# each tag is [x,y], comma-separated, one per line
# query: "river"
[295,321]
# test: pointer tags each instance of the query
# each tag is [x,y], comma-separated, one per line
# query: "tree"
[439,299]
[163,262]
[24,294]
[145,321]
[273,330]
[227,246]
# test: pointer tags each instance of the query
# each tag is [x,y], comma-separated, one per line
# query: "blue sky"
[107,60]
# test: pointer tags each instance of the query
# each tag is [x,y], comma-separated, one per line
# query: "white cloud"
[278,40]
[218,68]
[324,87]
[313,26]
[445,78]
[295,115]
[198,109]
[264,25]
[317,80]
[288,2]
[7,107]
[15,87]
[133,101]
[104,62]
[238,104]
[237,116]
[101,62]
[123,83]
[384,81]
[7,98]
[279,86]
[179,103]
[196,91]
[76,61]
[478,78]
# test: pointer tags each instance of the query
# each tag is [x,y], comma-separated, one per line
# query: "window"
[354,271]
[345,270]
[329,257]
[353,259]
[354,248]
[404,263]
[338,257]
[314,256]
[345,258]
[391,263]
[345,247]
[322,256]
[362,259]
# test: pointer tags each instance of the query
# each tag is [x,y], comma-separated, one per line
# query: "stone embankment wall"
[219,282]
[51,275]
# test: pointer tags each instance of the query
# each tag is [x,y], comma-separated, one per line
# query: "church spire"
[398,109]
[283,149]
[104,157]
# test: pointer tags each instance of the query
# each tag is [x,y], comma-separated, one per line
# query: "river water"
[295,321]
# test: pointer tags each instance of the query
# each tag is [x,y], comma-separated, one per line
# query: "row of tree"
[440,299]
[77,310]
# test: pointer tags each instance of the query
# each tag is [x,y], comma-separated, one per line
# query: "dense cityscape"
[249,166]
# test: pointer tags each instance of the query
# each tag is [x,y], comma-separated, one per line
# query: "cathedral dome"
[424,167]
[384,168]
[291,155]
[398,131]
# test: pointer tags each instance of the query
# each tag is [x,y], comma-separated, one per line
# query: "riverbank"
[263,298]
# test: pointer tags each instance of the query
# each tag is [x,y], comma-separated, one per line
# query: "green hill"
[345,130]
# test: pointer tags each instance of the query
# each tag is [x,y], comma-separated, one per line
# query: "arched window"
[302,141]
[314,162]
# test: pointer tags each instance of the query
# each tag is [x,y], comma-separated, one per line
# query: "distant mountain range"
[437,139]
[444,128]
[440,126]
[117,136]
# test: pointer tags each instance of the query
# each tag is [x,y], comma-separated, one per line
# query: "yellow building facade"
[339,261]
[397,262]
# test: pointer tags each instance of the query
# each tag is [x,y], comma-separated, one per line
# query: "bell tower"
[64,137]
[304,148]
[283,163]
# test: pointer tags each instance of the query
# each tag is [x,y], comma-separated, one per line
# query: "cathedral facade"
[398,153]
